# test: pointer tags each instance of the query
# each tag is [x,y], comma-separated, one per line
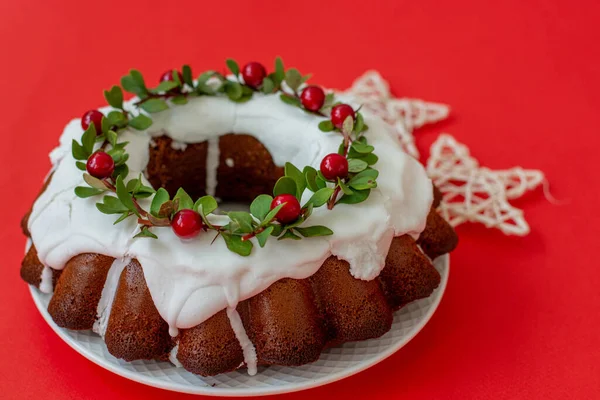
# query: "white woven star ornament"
[477,194]
[404,114]
[471,193]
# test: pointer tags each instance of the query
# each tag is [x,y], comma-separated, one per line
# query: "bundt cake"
[197,303]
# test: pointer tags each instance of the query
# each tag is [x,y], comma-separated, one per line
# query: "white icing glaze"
[46,281]
[108,295]
[179,146]
[173,356]
[212,165]
[229,162]
[192,280]
[248,349]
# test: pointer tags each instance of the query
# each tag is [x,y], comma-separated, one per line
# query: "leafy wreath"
[344,177]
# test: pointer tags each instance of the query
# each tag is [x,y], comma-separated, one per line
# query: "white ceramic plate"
[335,363]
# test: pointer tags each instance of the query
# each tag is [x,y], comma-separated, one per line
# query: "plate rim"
[245,392]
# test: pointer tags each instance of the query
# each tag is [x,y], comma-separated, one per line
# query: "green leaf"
[84,191]
[122,171]
[359,125]
[235,244]
[320,182]
[279,70]
[165,86]
[111,136]
[289,235]
[243,220]
[94,182]
[294,101]
[205,76]
[145,232]
[285,185]
[306,78]
[295,223]
[89,139]
[206,205]
[268,86]
[79,153]
[320,197]
[355,165]
[363,183]
[114,96]
[122,217]
[357,197]
[298,177]
[185,201]
[348,125]
[233,90]
[133,185]
[271,215]
[328,100]
[326,126]
[80,165]
[179,100]
[112,204]
[140,122]
[186,72]
[125,197]
[154,105]
[264,235]
[367,173]
[312,231]
[362,148]
[310,176]
[260,206]
[293,78]
[233,67]
[277,229]
[370,158]
[134,83]
[159,199]
[344,187]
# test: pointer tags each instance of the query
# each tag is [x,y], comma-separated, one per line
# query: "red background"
[521,316]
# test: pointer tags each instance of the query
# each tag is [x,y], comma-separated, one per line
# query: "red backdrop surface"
[521,316]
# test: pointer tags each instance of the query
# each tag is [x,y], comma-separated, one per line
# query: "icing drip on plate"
[190,281]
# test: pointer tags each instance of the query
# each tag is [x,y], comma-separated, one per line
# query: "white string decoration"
[478,194]
[404,114]
[471,193]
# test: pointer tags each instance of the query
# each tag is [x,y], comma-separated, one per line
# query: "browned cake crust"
[252,172]
[135,329]
[172,169]
[353,309]
[78,291]
[31,268]
[210,348]
[438,237]
[285,325]
[408,275]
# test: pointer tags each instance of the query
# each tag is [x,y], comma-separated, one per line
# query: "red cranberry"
[290,211]
[168,76]
[100,165]
[253,74]
[92,116]
[339,114]
[334,166]
[313,98]
[186,224]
